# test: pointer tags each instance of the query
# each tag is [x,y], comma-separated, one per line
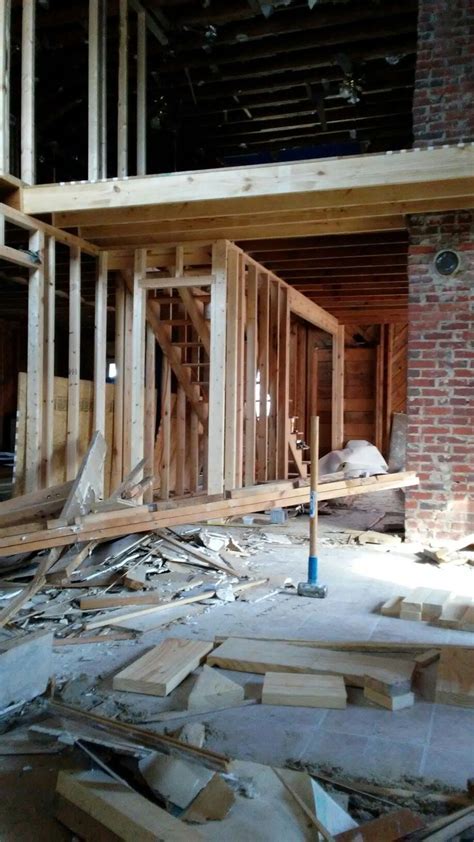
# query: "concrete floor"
[430,741]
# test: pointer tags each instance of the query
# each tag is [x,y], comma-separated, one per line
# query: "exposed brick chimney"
[441,309]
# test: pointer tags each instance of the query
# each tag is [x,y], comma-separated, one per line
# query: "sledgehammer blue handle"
[312,570]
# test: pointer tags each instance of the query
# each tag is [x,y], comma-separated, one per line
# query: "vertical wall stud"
[5,22]
[215,469]
[34,388]
[122,113]
[337,434]
[251,377]
[150,406]
[28,92]
[141,92]
[138,359]
[74,366]
[117,454]
[100,343]
[48,365]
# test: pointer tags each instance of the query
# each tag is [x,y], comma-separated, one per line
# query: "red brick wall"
[443,103]
[440,379]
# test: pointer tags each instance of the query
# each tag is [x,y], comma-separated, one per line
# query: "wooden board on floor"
[266,656]
[300,690]
[393,826]
[161,669]
[120,809]
[455,679]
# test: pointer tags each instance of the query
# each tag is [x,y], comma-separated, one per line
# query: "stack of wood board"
[161,669]
[301,690]
[262,656]
[440,608]
[111,524]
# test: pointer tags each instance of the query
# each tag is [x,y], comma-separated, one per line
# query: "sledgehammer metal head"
[315,591]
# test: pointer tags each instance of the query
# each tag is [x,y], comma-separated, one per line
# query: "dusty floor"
[432,741]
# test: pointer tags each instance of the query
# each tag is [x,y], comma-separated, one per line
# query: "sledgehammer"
[311,587]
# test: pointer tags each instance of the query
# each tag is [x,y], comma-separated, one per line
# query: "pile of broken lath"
[151,784]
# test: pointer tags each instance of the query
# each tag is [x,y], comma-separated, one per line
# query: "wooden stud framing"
[117,456]
[284,384]
[141,92]
[380,388]
[150,406]
[5,22]
[273,377]
[390,335]
[337,428]
[251,377]
[263,363]
[74,364]
[217,386]
[194,311]
[180,441]
[28,152]
[138,360]
[100,343]
[231,373]
[48,360]
[94,93]
[194,450]
[103,87]
[34,392]
[122,107]
[127,381]
[165,429]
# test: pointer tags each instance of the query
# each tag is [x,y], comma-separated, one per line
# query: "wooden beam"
[298,179]
[20,258]
[138,359]
[48,361]
[251,377]
[28,223]
[122,102]
[231,372]
[100,343]
[284,385]
[151,282]
[94,92]
[34,392]
[74,364]
[165,464]
[306,309]
[263,316]
[141,92]
[337,399]
[28,150]
[117,454]
[217,377]
[150,406]
[5,23]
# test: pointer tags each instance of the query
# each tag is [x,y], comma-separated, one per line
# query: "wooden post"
[263,359]
[122,111]
[74,366]
[28,92]
[165,429]
[34,389]
[273,377]
[127,383]
[5,22]
[138,359]
[231,373]
[100,343]
[215,461]
[180,441]
[390,335]
[380,389]
[337,414]
[103,88]
[251,377]
[150,406]
[48,361]
[117,457]
[284,385]
[141,92]
[94,93]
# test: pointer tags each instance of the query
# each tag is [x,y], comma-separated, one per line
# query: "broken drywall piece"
[174,779]
[212,688]
[329,813]
[193,733]
[212,804]
[26,665]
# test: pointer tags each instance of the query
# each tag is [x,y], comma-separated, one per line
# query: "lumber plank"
[120,809]
[404,700]
[390,827]
[300,690]
[161,669]
[455,678]
[268,656]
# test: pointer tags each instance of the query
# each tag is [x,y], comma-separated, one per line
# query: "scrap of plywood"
[404,700]
[26,665]
[455,679]
[268,656]
[213,689]
[174,779]
[161,669]
[298,689]
[212,804]
[433,604]
[391,608]
[452,613]
[390,827]
[120,809]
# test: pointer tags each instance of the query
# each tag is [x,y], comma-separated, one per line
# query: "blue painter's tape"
[312,569]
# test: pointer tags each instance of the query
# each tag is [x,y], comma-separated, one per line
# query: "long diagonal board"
[266,656]
[161,669]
